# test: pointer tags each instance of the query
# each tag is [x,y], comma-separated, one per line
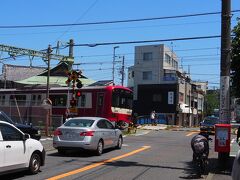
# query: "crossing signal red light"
[78,93]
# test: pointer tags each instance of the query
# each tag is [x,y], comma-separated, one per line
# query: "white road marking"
[143,133]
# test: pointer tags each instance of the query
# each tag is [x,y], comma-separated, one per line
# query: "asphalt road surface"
[157,155]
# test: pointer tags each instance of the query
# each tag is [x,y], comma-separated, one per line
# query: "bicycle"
[201,161]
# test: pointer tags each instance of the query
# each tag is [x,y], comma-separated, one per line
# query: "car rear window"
[79,123]
[211,121]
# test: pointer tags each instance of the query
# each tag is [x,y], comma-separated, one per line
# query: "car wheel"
[35,163]
[99,149]
[120,142]
[61,151]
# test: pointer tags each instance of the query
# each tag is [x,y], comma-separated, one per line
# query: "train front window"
[122,99]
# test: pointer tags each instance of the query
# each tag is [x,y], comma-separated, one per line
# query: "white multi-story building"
[160,85]
[153,64]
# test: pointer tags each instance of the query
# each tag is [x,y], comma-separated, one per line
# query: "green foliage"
[235,64]
[212,102]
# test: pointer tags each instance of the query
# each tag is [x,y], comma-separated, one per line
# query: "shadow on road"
[223,168]
[78,153]
[188,169]
[214,167]
[16,175]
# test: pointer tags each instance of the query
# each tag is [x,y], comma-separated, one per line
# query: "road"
[156,155]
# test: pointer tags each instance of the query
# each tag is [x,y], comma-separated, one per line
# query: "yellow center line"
[191,133]
[70,173]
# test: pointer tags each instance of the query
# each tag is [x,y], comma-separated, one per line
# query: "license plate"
[69,135]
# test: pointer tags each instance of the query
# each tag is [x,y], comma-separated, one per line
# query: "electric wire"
[148,41]
[113,22]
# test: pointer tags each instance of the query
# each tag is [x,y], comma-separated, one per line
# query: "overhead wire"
[170,51]
[148,41]
[107,29]
[112,22]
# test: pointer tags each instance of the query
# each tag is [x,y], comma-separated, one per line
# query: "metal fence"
[160,119]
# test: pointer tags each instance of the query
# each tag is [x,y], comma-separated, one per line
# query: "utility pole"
[49,50]
[225,71]
[4,74]
[123,66]
[190,86]
[225,62]
[71,45]
[113,69]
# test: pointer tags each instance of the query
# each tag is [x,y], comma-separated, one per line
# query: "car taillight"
[57,132]
[87,133]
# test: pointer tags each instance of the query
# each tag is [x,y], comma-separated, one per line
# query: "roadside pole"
[225,70]
[47,123]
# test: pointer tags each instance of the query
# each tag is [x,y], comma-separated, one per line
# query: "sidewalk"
[167,127]
[226,174]
[216,172]
[47,143]
[151,127]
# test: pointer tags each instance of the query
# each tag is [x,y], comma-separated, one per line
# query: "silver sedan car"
[90,133]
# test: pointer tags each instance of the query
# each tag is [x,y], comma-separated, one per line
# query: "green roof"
[58,80]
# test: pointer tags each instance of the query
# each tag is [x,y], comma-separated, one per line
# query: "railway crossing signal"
[73,77]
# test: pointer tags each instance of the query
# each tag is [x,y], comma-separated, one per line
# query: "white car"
[18,151]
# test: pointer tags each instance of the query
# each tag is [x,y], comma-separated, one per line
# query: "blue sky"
[201,57]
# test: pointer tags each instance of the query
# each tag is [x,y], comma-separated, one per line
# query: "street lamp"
[4,74]
[113,69]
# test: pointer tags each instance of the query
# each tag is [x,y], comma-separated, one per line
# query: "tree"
[235,64]
[211,102]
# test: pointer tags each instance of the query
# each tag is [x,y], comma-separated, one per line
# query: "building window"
[147,75]
[147,56]
[200,104]
[181,97]
[176,65]
[169,75]
[187,100]
[167,59]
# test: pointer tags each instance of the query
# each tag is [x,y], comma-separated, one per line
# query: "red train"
[112,102]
